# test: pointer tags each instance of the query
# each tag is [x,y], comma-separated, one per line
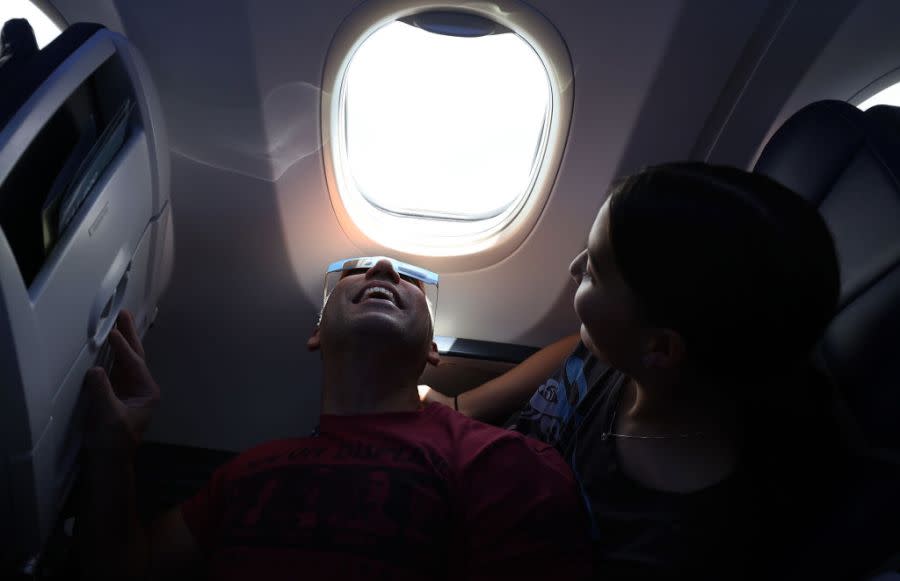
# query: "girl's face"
[610,324]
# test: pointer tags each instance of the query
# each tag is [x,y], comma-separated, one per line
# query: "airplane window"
[889,96]
[441,131]
[44,28]
[442,126]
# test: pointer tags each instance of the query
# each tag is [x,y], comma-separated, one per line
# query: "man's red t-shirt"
[410,495]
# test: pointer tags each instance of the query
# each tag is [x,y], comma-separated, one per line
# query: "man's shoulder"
[478,440]
[499,467]
[266,453]
[272,447]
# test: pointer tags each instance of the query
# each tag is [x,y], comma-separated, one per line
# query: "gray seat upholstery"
[85,231]
[847,163]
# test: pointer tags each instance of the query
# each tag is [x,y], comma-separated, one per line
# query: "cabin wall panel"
[240,85]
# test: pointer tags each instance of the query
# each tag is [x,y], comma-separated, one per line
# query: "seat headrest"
[17,41]
[817,144]
[20,77]
[885,115]
[847,163]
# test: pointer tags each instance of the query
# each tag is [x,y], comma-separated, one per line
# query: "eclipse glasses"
[420,277]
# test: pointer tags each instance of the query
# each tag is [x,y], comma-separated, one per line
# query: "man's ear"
[433,357]
[666,350]
[314,342]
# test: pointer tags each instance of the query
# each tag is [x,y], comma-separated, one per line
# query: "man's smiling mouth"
[379,293]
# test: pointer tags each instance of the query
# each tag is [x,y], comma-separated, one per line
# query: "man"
[383,489]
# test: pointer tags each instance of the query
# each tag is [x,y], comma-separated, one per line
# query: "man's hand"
[120,407]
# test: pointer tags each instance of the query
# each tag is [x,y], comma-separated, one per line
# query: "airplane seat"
[86,231]
[847,163]
[17,41]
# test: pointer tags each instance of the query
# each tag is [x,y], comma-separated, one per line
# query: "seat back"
[847,163]
[86,232]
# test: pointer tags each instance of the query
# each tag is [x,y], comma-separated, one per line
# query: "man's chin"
[381,326]
[375,329]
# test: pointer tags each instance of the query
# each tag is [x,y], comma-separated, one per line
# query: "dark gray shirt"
[638,532]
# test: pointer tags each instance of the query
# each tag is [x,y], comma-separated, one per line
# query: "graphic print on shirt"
[553,406]
[393,514]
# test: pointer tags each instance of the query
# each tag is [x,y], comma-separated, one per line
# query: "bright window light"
[44,29]
[889,96]
[444,128]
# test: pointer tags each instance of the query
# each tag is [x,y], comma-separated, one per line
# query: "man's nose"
[384,269]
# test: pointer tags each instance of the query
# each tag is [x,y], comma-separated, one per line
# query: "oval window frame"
[875,88]
[454,254]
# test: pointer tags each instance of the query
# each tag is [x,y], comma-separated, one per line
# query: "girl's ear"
[666,350]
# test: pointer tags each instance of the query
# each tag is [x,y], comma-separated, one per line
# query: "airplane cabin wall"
[860,58]
[240,86]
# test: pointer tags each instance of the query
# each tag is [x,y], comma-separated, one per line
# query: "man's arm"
[111,542]
[500,397]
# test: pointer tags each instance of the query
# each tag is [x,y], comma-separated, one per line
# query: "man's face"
[377,304]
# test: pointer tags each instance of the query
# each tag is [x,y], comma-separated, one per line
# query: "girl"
[688,410]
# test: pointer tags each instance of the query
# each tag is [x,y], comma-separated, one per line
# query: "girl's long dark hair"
[745,270]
